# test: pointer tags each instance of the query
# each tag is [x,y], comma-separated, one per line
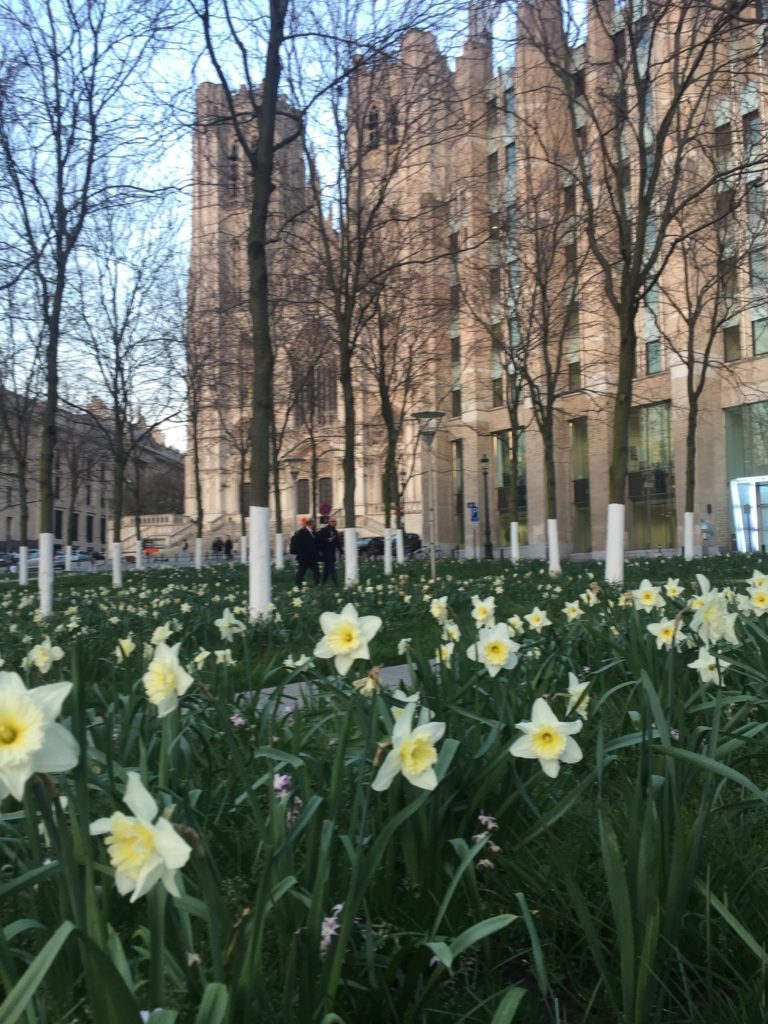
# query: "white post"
[514,542]
[244,549]
[388,551]
[614,544]
[117,564]
[24,566]
[279,551]
[400,547]
[553,544]
[68,558]
[198,552]
[475,543]
[351,570]
[260,564]
[139,554]
[688,518]
[45,574]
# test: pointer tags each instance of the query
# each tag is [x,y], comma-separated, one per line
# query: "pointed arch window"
[373,128]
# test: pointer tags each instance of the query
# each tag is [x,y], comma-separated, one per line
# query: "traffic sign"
[325,509]
[474,514]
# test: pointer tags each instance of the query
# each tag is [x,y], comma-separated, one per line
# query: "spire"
[482,14]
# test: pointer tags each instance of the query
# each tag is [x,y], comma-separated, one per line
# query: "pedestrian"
[328,544]
[228,549]
[304,547]
[217,547]
[184,550]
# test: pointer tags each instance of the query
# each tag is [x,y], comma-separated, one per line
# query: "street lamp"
[488,545]
[428,425]
[747,509]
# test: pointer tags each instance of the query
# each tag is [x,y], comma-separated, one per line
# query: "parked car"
[373,547]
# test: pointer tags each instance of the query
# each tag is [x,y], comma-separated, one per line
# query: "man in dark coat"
[304,547]
[328,543]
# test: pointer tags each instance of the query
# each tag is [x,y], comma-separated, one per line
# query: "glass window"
[89,529]
[760,336]
[653,357]
[372,126]
[325,491]
[457,460]
[732,343]
[746,440]
[302,497]
[502,453]
[650,481]
[455,376]
[582,529]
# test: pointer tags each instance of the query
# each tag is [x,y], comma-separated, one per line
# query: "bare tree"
[633,97]
[63,114]
[374,100]
[127,327]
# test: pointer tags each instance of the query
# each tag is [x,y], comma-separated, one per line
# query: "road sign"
[474,514]
[471,504]
[325,509]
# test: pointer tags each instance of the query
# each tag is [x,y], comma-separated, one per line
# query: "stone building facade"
[505,190]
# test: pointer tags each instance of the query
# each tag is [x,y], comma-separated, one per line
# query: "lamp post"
[488,544]
[747,509]
[428,424]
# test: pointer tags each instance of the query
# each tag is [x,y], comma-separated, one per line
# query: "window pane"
[760,336]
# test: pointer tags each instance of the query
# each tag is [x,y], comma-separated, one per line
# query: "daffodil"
[124,649]
[413,752]
[444,653]
[712,620]
[672,588]
[452,632]
[576,700]
[709,666]
[165,679]
[666,633]
[228,625]
[547,739]
[758,601]
[572,610]
[346,636]
[161,634]
[537,619]
[484,610]
[144,849]
[647,597]
[42,656]
[438,609]
[30,740]
[495,648]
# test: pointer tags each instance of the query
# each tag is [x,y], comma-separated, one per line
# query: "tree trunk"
[690,453]
[349,434]
[263,356]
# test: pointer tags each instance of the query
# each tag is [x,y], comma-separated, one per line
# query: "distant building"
[560,142]
[83,473]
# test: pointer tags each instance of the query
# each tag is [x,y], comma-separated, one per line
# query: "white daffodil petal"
[60,753]
[387,772]
[140,803]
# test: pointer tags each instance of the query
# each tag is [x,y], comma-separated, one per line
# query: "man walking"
[328,543]
[304,547]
